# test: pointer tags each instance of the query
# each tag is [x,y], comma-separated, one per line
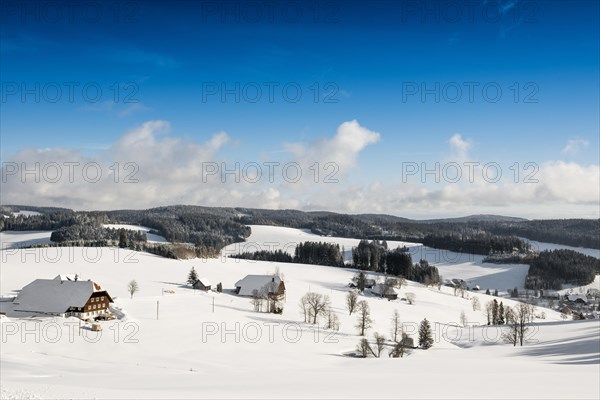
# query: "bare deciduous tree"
[133,287]
[489,309]
[517,324]
[364,317]
[257,300]
[396,330]
[333,321]
[401,282]
[476,304]
[318,304]
[379,344]
[364,348]
[401,348]
[304,307]
[511,332]
[463,318]
[351,300]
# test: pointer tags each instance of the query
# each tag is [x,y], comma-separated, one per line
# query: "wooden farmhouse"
[62,297]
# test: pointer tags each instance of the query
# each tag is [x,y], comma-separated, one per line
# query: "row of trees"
[552,269]
[265,255]
[320,253]
[375,256]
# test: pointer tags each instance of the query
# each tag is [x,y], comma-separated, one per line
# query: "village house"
[271,285]
[386,291]
[202,284]
[62,296]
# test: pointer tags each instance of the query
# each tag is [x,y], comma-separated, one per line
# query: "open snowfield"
[17,239]
[541,246]
[191,351]
[469,267]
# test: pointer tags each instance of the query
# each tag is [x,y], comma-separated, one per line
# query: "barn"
[202,284]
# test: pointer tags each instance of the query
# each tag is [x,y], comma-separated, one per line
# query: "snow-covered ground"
[26,213]
[153,238]
[191,351]
[541,246]
[16,239]
[469,267]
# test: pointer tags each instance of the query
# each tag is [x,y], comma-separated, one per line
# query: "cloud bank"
[149,166]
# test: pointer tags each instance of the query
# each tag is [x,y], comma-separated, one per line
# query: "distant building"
[202,284]
[384,291]
[577,298]
[271,285]
[65,298]
[369,283]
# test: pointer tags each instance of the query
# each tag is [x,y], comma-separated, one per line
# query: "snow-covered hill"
[191,351]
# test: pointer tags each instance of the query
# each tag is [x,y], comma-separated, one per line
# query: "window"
[102,298]
[89,308]
[94,307]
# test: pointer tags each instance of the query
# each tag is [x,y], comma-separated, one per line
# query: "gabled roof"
[257,282]
[379,290]
[53,296]
[204,281]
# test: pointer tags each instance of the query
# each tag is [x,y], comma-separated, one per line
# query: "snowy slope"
[191,351]
[469,267]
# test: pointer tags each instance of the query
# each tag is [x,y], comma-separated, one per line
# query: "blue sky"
[366,56]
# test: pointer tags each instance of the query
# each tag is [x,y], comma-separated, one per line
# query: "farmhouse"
[385,291]
[577,298]
[271,285]
[65,298]
[202,284]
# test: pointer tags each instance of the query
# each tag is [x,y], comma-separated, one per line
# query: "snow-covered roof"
[380,289]
[66,277]
[257,282]
[575,297]
[53,295]
[204,281]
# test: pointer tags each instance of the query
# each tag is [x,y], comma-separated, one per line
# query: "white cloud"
[574,145]
[169,170]
[343,148]
[460,147]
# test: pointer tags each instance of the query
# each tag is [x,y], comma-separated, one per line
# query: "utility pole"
[213,305]
[157,309]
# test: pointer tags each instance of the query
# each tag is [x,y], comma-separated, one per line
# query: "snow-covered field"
[541,246]
[469,267]
[191,351]
[16,239]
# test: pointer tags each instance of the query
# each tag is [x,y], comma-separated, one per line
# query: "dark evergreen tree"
[495,312]
[425,335]
[501,314]
[192,277]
